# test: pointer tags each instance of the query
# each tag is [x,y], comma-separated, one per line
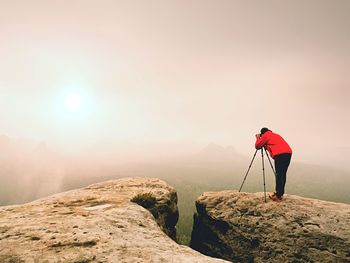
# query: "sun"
[72,107]
[73,102]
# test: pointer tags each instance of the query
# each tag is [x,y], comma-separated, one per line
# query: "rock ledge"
[240,227]
[97,223]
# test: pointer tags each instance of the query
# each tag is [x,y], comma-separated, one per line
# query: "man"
[281,152]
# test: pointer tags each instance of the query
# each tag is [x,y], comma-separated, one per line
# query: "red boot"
[275,197]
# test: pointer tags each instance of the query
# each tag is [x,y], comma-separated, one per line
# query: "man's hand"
[257,136]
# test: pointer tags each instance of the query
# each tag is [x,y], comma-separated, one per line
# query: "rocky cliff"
[98,223]
[240,227]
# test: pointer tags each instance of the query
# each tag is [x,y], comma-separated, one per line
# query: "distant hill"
[216,150]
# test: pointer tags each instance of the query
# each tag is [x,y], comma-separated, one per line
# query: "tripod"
[263,168]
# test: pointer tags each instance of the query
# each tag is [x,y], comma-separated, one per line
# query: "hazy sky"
[146,72]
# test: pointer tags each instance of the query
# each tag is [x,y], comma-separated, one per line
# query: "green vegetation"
[146,200]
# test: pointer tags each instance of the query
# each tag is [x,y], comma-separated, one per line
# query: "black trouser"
[282,162]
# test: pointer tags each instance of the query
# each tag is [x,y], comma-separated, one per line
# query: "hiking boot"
[275,197]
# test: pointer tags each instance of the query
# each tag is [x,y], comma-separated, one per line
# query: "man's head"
[263,130]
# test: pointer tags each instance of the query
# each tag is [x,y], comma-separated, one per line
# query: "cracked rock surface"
[240,227]
[97,223]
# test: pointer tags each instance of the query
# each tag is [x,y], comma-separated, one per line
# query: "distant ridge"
[213,148]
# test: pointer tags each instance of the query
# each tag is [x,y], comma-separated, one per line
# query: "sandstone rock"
[240,227]
[98,223]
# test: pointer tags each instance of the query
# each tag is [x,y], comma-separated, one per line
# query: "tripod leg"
[250,165]
[268,157]
[263,167]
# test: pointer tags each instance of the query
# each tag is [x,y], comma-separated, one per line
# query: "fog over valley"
[31,170]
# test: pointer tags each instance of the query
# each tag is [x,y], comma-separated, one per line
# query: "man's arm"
[261,141]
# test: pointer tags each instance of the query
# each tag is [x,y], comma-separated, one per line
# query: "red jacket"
[274,143]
